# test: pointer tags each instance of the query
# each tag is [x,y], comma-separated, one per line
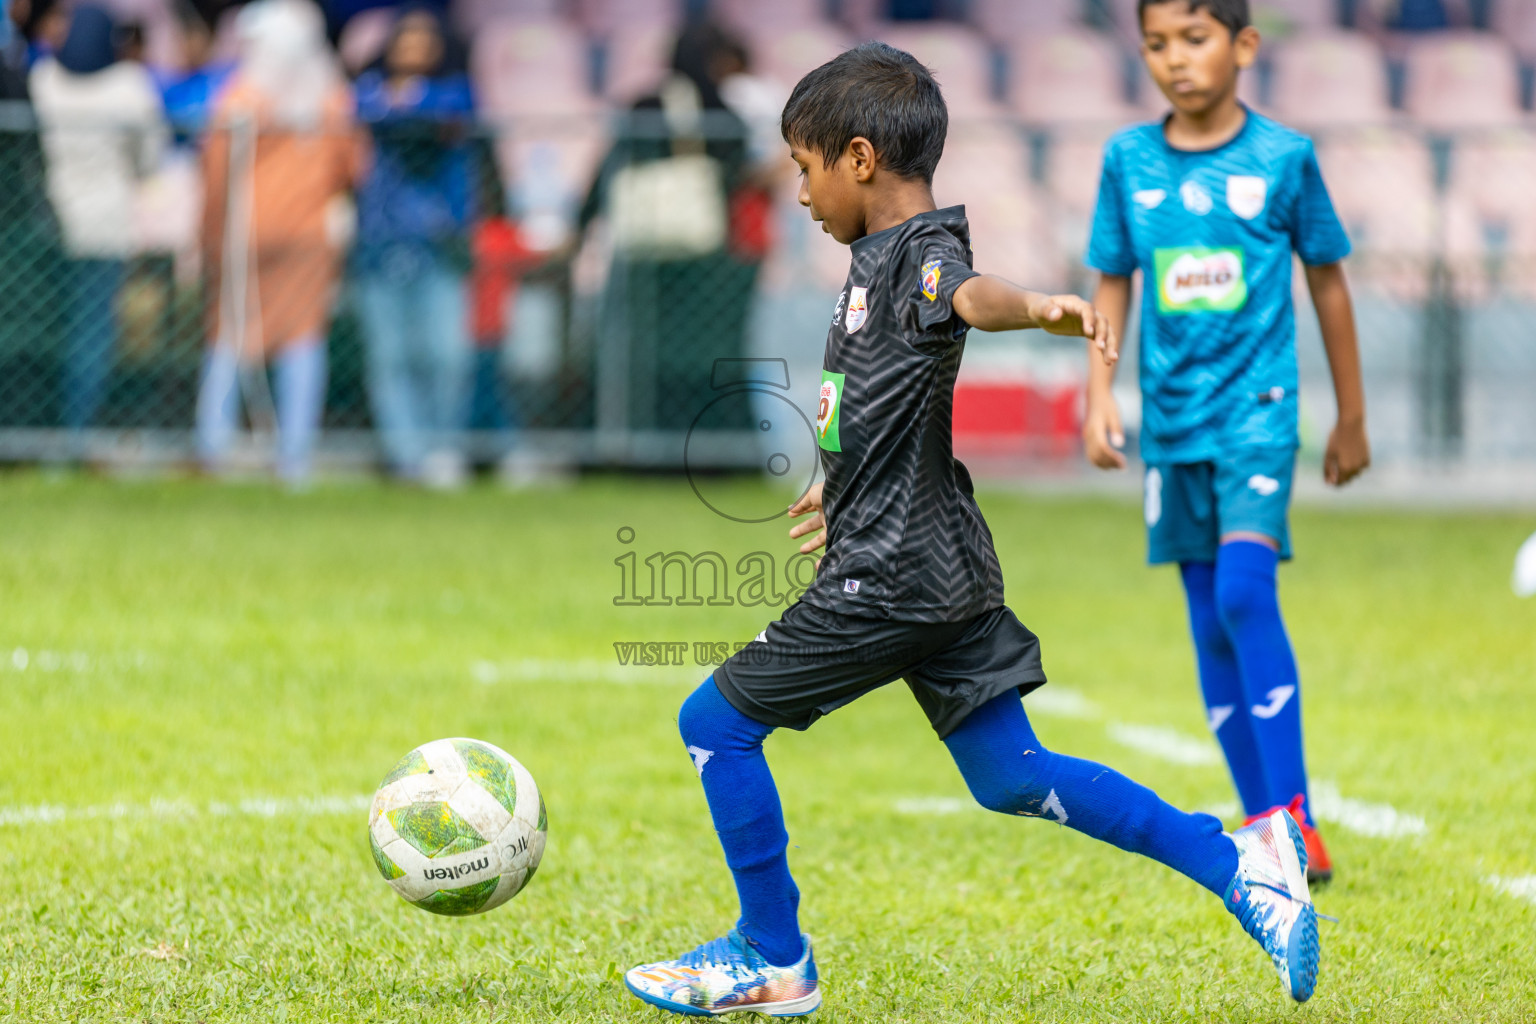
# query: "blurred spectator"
[676,298]
[413,248]
[103,132]
[189,92]
[501,257]
[29,232]
[43,25]
[279,163]
[130,42]
[758,101]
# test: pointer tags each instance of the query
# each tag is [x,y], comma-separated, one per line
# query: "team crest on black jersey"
[931,271]
[858,309]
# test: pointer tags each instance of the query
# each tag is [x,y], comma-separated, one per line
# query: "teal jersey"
[1212,233]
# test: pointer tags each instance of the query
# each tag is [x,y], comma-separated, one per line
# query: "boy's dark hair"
[879,92]
[1231,13]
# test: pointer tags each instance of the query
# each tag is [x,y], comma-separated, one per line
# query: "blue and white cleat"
[1269,896]
[726,975]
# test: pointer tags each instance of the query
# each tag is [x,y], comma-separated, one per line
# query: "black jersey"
[905,539]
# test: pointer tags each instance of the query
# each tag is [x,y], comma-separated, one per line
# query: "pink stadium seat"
[364,37]
[1073,165]
[638,59]
[1010,19]
[532,81]
[1067,77]
[1515,21]
[1286,17]
[787,56]
[536,67]
[1519,278]
[1494,174]
[958,57]
[1328,79]
[1462,79]
[1383,185]
[755,16]
[986,168]
[606,15]
[470,16]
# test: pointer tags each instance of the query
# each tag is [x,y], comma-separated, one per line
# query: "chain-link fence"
[177,297]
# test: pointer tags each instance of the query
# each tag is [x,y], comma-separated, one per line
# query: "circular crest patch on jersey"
[1196,199]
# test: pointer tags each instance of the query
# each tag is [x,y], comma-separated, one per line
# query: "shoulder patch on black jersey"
[858,309]
[931,273]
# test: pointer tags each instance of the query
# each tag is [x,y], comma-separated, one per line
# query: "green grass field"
[201,685]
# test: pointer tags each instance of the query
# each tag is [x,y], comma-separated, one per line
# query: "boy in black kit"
[910,586]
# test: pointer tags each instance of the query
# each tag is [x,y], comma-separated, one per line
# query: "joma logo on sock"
[1278,698]
[458,870]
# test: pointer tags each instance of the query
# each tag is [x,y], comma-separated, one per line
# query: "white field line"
[1379,821]
[1522,888]
[20,659]
[581,670]
[1164,743]
[1376,821]
[925,805]
[1062,702]
[257,807]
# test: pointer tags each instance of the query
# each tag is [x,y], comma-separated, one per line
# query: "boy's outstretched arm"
[1103,434]
[989,303]
[1349,451]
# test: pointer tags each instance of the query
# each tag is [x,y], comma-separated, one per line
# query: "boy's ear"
[861,158]
[1245,47]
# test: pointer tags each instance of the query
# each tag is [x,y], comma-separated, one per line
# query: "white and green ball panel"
[457,827]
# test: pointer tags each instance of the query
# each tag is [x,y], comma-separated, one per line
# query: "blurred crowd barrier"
[169,298]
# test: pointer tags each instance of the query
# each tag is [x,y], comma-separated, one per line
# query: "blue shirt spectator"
[417,202]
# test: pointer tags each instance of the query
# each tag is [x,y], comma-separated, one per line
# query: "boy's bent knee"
[1013,788]
[708,720]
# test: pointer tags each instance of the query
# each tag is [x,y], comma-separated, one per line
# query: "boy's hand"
[1348,453]
[1103,436]
[810,502]
[1075,317]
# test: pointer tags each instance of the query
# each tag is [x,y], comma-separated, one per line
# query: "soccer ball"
[1524,580]
[457,827]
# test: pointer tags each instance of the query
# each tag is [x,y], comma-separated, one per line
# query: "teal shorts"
[1190,506]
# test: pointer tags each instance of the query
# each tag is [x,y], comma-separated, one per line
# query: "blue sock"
[727,748]
[1248,599]
[1008,771]
[1221,684]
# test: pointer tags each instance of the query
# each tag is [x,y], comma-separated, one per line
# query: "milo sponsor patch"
[829,410]
[1196,279]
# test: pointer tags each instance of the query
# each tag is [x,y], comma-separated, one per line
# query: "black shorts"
[812,662]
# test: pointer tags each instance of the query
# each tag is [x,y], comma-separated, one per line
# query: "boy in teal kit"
[910,586]
[1209,205]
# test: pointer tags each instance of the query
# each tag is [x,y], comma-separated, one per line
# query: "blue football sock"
[1008,770]
[1221,684]
[727,749]
[1248,599]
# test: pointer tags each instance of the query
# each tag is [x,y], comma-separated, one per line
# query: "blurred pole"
[1441,368]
